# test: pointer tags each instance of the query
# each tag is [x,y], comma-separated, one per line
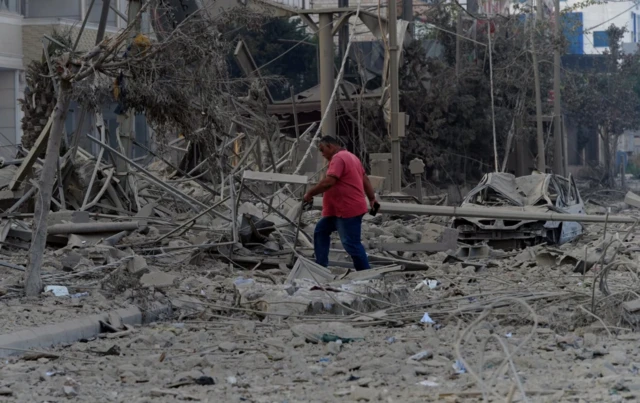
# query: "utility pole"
[396,169]
[343,35]
[325,39]
[558,165]
[458,42]
[407,15]
[542,163]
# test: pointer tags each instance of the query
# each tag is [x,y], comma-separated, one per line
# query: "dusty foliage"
[180,83]
[39,96]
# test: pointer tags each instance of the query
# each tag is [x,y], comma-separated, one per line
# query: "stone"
[590,340]
[364,394]
[227,346]
[333,348]
[298,342]
[618,357]
[157,279]
[187,375]
[70,391]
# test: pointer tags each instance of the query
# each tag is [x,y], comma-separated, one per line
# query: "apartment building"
[586,27]
[23,25]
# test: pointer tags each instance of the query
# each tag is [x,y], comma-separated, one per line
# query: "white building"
[23,24]
[586,27]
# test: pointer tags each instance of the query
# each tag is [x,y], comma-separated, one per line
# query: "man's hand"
[375,207]
[307,197]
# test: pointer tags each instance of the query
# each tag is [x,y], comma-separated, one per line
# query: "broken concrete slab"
[632,199]
[305,297]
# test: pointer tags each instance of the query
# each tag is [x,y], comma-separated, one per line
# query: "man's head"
[329,146]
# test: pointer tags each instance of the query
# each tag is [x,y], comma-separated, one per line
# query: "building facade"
[23,26]
[586,27]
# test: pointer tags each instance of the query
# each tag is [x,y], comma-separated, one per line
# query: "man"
[343,204]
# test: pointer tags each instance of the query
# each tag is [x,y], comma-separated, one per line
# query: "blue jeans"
[350,230]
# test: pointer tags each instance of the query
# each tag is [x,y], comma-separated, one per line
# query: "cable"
[612,18]
[333,94]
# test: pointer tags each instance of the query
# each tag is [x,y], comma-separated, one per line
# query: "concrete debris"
[157,279]
[225,247]
[308,297]
[632,199]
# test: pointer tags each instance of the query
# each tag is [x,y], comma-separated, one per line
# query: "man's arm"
[321,187]
[368,189]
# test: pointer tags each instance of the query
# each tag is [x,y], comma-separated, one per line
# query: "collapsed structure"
[539,193]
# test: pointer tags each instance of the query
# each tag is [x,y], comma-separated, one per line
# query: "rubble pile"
[252,315]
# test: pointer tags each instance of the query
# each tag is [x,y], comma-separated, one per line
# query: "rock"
[421,371]
[227,346]
[298,342]
[618,357]
[333,348]
[364,394]
[157,279]
[422,355]
[364,382]
[590,340]
[187,375]
[70,391]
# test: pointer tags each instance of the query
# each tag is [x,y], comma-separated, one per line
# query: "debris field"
[250,317]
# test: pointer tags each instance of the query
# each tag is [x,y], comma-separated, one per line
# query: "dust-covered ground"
[513,326]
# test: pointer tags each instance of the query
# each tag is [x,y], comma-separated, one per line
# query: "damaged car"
[540,193]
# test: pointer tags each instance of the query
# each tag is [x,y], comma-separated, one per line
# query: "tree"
[606,101]
[451,120]
[285,50]
[181,83]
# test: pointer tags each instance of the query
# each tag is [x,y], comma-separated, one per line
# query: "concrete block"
[73,330]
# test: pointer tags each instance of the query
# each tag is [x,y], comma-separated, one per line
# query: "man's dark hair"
[330,140]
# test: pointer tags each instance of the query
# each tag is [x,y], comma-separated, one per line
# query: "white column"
[83,9]
[18,112]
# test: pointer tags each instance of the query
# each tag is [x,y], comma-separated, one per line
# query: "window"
[96,12]
[572,29]
[600,39]
[12,6]
[53,9]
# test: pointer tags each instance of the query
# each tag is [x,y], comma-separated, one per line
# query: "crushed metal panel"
[305,268]
[541,193]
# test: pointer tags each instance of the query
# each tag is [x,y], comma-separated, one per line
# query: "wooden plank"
[275,177]
[31,158]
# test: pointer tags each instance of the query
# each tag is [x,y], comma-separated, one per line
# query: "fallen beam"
[491,212]
[93,227]
[31,158]
[186,198]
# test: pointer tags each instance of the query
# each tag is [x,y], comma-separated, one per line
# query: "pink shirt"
[346,198]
